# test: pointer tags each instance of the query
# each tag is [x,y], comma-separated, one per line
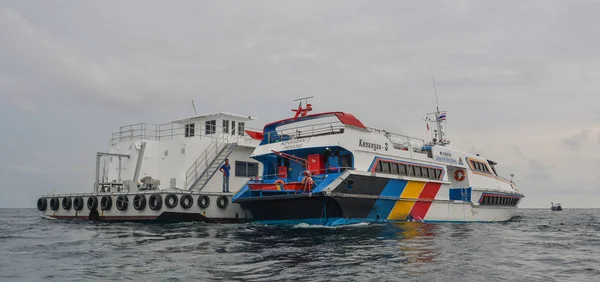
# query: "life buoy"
[187,201]
[459,175]
[122,202]
[155,202]
[42,204]
[280,185]
[106,202]
[139,202]
[66,203]
[92,203]
[222,201]
[78,203]
[171,201]
[203,201]
[54,203]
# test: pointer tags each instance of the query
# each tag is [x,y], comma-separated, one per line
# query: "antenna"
[303,111]
[437,114]
[304,98]
[194,106]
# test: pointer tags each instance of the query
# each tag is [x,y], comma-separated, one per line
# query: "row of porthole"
[139,202]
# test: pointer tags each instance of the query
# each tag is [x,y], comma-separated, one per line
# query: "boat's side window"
[425,172]
[386,167]
[410,170]
[379,167]
[495,202]
[432,173]
[402,169]
[394,167]
[417,171]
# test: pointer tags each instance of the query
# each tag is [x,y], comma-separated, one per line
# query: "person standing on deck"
[225,170]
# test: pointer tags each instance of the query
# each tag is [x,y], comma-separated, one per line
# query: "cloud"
[518,151]
[39,155]
[26,169]
[575,142]
[509,86]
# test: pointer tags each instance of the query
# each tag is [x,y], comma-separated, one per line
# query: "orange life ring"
[459,175]
[280,185]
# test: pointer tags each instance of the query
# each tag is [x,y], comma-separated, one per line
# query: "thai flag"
[442,116]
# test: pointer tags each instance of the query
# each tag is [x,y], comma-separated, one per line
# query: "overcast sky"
[520,79]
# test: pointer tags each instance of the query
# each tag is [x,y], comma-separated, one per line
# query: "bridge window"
[480,167]
[241,128]
[246,169]
[189,130]
[225,126]
[210,127]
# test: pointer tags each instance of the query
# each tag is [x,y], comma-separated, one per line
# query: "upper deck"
[219,125]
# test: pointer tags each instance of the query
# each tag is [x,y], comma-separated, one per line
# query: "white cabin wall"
[241,153]
[175,164]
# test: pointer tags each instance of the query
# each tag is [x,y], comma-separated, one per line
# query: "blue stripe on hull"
[383,208]
[344,221]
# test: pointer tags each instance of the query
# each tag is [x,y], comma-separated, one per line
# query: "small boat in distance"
[556,207]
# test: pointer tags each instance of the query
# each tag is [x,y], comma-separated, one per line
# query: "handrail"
[200,165]
[390,135]
[327,128]
[144,131]
[314,175]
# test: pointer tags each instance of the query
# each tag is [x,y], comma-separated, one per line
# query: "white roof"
[214,115]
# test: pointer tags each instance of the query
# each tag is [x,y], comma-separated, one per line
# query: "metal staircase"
[208,163]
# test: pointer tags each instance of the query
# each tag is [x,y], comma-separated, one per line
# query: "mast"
[438,118]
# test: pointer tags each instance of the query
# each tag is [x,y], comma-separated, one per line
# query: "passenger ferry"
[331,169]
[167,172]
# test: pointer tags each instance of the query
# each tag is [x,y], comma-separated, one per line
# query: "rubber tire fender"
[155,202]
[189,199]
[222,201]
[42,204]
[203,201]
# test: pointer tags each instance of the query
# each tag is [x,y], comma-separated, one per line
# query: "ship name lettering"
[371,145]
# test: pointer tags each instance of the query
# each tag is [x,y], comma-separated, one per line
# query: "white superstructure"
[181,157]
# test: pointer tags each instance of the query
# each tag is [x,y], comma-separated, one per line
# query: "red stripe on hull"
[430,190]
[420,209]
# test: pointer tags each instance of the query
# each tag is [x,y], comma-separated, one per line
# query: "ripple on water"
[535,245]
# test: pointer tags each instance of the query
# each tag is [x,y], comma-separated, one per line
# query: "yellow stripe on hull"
[402,208]
[412,190]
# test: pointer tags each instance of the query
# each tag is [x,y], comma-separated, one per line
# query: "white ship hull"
[227,213]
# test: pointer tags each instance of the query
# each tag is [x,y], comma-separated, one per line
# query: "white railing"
[203,162]
[400,141]
[145,131]
[314,174]
[305,131]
